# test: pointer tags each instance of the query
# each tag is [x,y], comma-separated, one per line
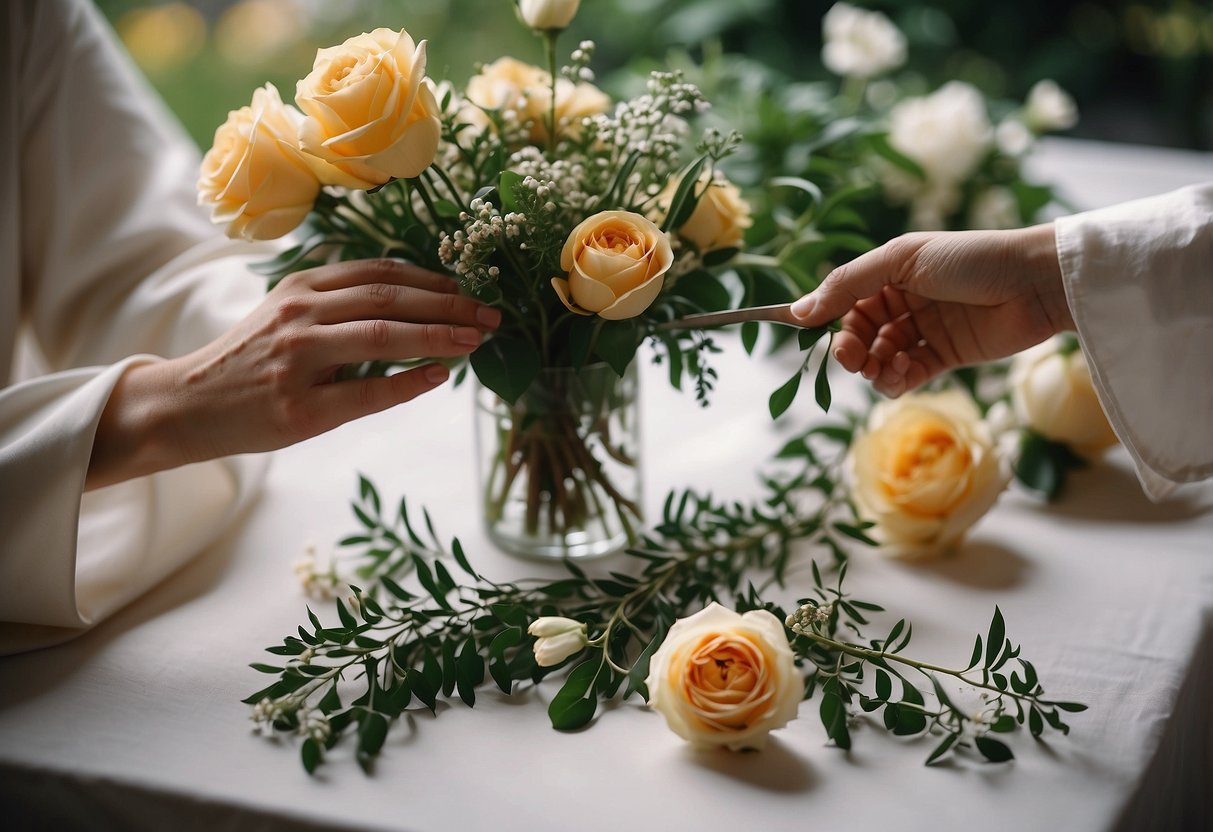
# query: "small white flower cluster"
[317,583]
[809,617]
[573,184]
[468,251]
[315,725]
[267,711]
[653,123]
[578,69]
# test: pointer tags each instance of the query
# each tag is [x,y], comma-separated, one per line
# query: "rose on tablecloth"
[1052,393]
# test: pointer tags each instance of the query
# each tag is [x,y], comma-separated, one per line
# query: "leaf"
[822,386]
[575,704]
[1037,468]
[371,735]
[367,489]
[749,336]
[993,750]
[996,636]
[855,533]
[782,398]
[879,143]
[469,669]
[683,203]
[507,366]
[1035,723]
[834,718]
[617,344]
[976,654]
[808,338]
[640,669]
[884,685]
[799,184]
[311,754]
[461,558]
[1072,707]
[942,748]
[506,187]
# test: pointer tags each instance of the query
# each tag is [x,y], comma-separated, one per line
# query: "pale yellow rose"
[719,219]
[925,469]
[616,262]
[1053,394]
[371,112]
[724,679]
[254,178]
[545,15]
[509,85]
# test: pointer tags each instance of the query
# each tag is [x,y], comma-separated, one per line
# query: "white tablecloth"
[139,724]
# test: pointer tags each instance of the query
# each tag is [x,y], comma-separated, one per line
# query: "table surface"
[1110,595]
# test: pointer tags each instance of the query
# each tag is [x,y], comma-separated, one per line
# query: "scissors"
[780,313]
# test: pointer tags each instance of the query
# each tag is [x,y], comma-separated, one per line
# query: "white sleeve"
[1139,280]
[117,265]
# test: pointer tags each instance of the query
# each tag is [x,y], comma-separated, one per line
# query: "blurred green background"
[1140,71]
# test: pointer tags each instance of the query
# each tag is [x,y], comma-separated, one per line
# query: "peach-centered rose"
[615,261]
[254,178]
[719,219]
[509,85]
[924,470]
[725,679]
[1052,393]
[371,112]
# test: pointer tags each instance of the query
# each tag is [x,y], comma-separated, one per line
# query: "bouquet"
[588,223]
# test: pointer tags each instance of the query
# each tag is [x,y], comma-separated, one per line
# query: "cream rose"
[924,470]
[508,85]
[371,112]
[719,219]
[860,43]
[1052,393]
[545,15]
[615,261]
[254,178]
[724,679]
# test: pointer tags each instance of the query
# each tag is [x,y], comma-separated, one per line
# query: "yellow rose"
[508,84]
[254,178]
[719,220]
[371,112]
[724,679]
[615,262]
[1053,394]
[924,470]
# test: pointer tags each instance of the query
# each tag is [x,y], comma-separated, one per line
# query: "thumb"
[848,284]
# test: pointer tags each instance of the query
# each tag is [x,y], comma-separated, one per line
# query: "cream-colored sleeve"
[1139,280]
[117,265]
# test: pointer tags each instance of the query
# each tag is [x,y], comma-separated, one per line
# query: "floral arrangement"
[591,227]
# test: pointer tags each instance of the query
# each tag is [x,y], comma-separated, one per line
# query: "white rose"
[1049,107]
[947,133]
[924,469]
[995,207]
[556,638]
[859,43]
[724,679]
[254,178]
[548,14]
[1013,137]
[1052,393]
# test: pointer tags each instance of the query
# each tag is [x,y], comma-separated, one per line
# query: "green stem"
[549,38]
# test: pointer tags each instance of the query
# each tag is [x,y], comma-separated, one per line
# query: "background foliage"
[1140,69]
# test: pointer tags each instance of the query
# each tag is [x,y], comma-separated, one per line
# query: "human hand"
[270,381]
[929,302]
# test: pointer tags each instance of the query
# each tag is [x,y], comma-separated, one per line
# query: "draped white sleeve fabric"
[105,260]
[1139,279]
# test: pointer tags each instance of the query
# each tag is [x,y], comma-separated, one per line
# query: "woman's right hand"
[270,381]
[928,302]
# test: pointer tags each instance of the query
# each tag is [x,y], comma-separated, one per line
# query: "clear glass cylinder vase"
[560,472]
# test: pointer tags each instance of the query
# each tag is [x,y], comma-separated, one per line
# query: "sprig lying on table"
[394,646]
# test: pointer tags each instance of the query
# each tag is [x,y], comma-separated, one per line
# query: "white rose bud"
[1052,393]
[545,15]
[1049,107]
[556,638]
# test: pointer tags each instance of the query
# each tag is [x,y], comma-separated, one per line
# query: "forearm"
[1039,263]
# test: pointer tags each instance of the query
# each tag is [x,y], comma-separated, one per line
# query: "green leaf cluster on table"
[429,626]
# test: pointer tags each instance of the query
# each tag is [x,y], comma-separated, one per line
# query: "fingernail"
[838,355]
[488,316]
[804,307]
[436,373]
[469,336]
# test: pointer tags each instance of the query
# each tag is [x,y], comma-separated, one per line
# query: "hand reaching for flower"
[271,380]
[929,302]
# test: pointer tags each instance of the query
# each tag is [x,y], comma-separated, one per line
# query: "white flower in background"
[924,469]
[947,133]
[1052,393]
[556,638]
[859,43]
[544,15]
[1049,107]
[1014,138]
[995,207]
[931,206]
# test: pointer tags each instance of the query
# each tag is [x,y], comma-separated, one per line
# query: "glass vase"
[560,469]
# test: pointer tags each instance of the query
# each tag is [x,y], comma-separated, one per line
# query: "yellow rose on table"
[616,262]
[924,469]
[720,218]
[254,178]
[725,679]
[371,112]
[1052,393]
[508,84]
